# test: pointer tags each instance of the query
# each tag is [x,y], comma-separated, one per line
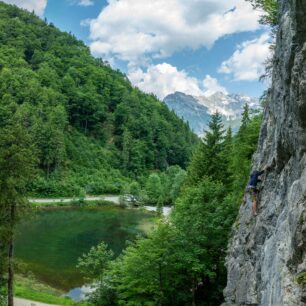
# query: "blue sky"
[194,46]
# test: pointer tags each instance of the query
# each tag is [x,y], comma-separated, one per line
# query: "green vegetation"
[182,262]
[301,278]
[270,9]
[17,161]
[74,203]
[81,113]
[81,125]
[29,288]
[159,188]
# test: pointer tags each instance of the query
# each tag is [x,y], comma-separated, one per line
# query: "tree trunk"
[10,282]
[193,292]
[161,287]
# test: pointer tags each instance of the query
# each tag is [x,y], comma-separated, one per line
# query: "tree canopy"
[91,127]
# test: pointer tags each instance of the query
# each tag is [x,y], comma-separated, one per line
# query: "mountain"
[188,108]
[196,110]
[266,261]
[91,128]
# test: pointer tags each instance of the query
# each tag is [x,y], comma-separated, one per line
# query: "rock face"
[197,109]
[267,253]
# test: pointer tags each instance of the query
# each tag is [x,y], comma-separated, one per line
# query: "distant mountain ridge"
[196,110]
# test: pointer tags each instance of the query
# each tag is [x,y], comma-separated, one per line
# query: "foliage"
[301,278]
[161,188]
[82,113]
[95,263]
[270,8]
[208,159]
[29,288]
[182,261]
[153,188]
[17,161]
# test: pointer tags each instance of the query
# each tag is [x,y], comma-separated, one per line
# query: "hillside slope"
[266,257]
[91,127]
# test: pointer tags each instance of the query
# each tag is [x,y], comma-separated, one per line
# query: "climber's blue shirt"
[254,178]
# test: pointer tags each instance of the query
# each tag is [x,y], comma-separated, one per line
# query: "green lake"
[50,242]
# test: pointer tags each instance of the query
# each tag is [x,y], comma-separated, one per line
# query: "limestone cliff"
[267,253]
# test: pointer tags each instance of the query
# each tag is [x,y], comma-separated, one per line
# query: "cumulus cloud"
[85,2]
[81,2]
[38,6]
[247,62]
[211,86]
[134,29]
[164,79]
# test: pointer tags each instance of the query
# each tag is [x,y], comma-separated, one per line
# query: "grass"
[30,289]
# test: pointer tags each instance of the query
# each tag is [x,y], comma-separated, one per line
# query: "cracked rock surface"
[267,254]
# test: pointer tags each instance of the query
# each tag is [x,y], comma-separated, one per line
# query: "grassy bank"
[29,288]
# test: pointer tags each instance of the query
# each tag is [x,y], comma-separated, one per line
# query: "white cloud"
[211,86]
[247,62]
[136,29]
[85,2]
[38,6]
[81,2]
[164,79]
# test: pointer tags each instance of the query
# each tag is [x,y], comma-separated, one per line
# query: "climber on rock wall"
[252,188]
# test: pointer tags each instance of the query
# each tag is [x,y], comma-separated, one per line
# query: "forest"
[91,130]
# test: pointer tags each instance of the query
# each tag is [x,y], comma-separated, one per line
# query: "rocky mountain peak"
[197,109]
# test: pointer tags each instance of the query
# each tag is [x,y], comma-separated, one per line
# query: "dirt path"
[23,302]
[111,198]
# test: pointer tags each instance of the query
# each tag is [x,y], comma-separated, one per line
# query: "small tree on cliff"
[270,8]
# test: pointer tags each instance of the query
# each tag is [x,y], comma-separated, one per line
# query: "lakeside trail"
[24,302]
[111,198]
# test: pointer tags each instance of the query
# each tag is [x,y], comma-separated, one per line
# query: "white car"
[130,199]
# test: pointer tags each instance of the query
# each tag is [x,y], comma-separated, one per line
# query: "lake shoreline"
[94,201]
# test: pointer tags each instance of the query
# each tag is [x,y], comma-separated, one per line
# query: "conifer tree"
[208,159]
[245,120]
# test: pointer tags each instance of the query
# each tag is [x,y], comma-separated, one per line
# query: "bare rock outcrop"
[267,253]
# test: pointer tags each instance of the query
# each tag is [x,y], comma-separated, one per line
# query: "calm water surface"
[51,241]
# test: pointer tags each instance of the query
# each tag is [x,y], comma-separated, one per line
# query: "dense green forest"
[182,261]
[92,130]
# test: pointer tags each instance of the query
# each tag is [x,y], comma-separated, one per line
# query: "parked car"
[130,199]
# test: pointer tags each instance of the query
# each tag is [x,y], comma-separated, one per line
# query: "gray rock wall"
[267,253]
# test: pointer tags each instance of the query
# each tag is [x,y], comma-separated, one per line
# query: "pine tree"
[208,159]
[245,121]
